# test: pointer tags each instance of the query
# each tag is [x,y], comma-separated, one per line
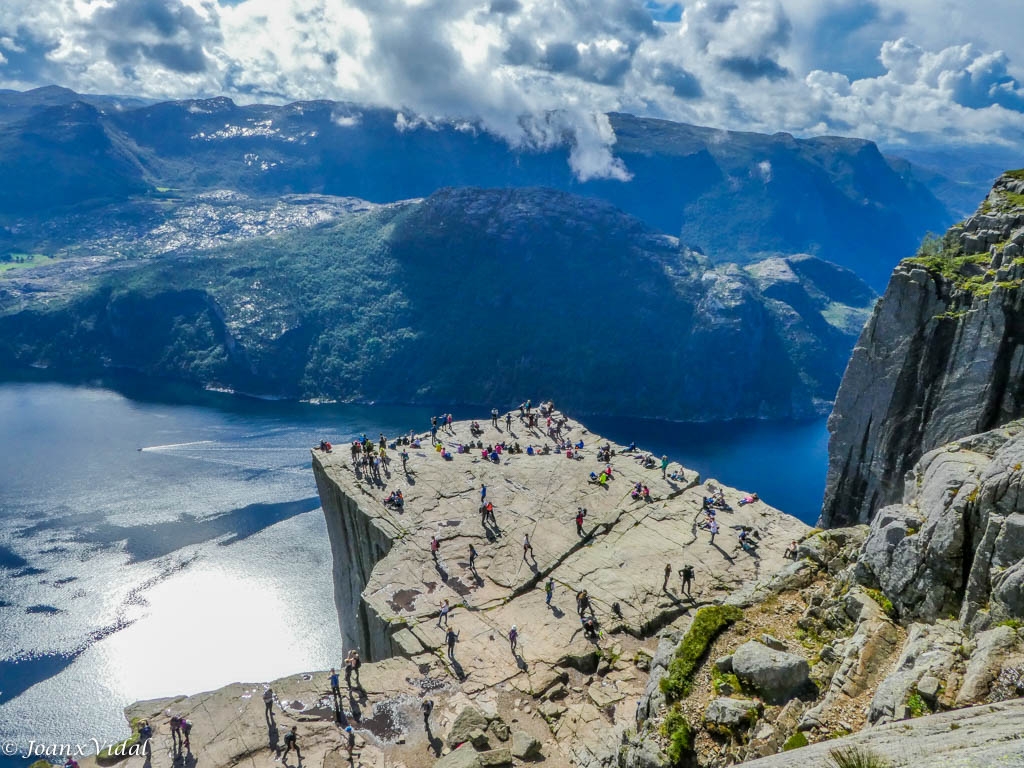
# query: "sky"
[911,73]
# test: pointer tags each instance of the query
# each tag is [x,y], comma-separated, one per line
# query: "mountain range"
[734,196]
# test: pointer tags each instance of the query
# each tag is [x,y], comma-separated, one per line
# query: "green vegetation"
[1017,174]
[1011,623]
[23,261]
[707,624]
[795,741]
[883,601]
[41,764]
[1015,199]
[917,705]
[679,733]
[854,757]
[117,752]
[720,678]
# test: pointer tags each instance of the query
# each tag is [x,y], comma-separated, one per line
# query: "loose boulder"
[733,714]
[524,746]
[469,720]
[777,675]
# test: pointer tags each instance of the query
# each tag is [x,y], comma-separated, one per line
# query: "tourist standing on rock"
[549,590]
[513,638]
[668,575]
[450,429]
[175,733]
[428,706]
[508,421]
[356,663]
[713,527]
[687,574]
[435,545]
[527,546]
[494,417]
[350,741]
[582,602]
[580,514]
[451,638]
[268,703]
[335,687]
[664,465]
[444,613]
[405,461]
[483,494]
[348,671]
[186,729]
[472,558]
[433,434]
[291,741]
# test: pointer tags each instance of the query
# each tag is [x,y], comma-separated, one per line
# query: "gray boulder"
[524,746]
[733,714]
[777,675]
[464,757]
[469,720]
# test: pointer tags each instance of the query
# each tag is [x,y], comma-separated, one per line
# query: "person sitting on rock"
[324,446]
[589,627]
[637,490]
[790,553]
[645,493]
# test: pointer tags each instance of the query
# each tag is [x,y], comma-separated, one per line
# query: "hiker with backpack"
[580,514]
[687,574]
[513,638]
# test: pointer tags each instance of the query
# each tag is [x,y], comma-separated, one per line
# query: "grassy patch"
[679,733]
[720,678]
[1011,623]
[24,261]
[795,741]
[41,764]
[883,601]
[117,752]
[707,624]
[917,705]
[854,757]
[1015,199]
[1016,174]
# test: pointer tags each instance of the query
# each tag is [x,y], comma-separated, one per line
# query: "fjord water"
[156,541]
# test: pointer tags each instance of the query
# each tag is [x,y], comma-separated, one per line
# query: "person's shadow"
[457,668]
[557,612]
[353,704]
[729,558]
[272,737]
[434,744]
[520,661]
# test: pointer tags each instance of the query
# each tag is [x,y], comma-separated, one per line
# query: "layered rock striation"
[941,357]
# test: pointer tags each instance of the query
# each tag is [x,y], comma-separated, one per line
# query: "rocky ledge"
[899,643]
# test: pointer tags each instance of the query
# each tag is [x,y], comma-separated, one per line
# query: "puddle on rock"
[404,599]
[388,721]
[456,584]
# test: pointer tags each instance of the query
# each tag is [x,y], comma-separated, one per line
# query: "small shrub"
[41,764]
[795,741]
[718,678]
[883,601]
[117,752]
[917,705]
[854,757]
[707,624]
[1011,623]
[679,733]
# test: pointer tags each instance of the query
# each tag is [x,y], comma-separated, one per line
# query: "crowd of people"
[374,459]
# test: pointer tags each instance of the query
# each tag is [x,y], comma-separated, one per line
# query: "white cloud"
[540,72]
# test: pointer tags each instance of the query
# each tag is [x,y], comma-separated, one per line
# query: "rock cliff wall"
[940,357]
[358,543]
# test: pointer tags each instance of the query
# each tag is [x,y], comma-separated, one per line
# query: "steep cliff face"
[941,357]
[358,543]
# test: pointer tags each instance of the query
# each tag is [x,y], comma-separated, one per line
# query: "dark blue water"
[783,462]
[129,511]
